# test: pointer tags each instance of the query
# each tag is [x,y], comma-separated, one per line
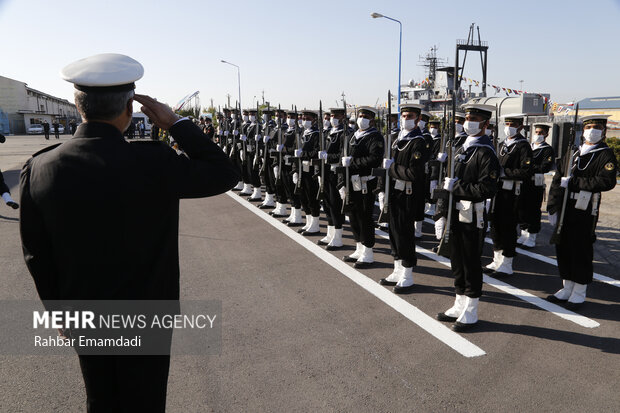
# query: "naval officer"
[99,217]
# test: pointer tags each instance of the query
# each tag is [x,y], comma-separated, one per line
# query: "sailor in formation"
[475,179]
[594,170]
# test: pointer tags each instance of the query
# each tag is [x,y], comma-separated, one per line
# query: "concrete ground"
[303,333]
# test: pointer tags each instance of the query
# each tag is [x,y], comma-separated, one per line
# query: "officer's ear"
[129,108]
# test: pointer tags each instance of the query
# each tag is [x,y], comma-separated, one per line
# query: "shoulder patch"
[609,166]
[49,148]
[493,174]
[417,155]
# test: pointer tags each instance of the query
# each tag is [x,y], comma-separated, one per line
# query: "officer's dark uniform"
[309,184]
[332,200]
[367,150]
[593,172]
[99,221]
[516,162]
[543,159]
[477,169]
[46,130]
[407,186]
[209,130]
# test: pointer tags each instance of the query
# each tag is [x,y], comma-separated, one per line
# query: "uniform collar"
[93,129]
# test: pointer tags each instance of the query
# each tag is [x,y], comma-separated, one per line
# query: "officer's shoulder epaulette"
[46,149]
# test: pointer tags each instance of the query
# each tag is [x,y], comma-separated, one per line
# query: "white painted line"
[427,323]
[509,289]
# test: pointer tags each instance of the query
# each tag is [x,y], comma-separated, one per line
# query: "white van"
[139,116]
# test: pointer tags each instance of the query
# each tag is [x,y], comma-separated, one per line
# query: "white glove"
[441,157]
[564,181]
[298,153]
[244,138]
[433,185]
[440,224]
[448,183]
[553,219]
[343,193]
[387,163]
[381,200]
[225,133]
[258,138]
[323,155]
[279,147]
[236,132]
[275,171]
[295,178]
[346,161]
[266,138]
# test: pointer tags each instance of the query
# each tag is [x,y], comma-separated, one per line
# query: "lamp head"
[376,15]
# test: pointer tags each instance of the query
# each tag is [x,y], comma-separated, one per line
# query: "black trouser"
[251,170]
[332,201]
[466,242]
[125,383]
[289,186]
[236,160]
[270,177]
[360,215]
[401,228]
[47,134]
[281,195]
[575,249]
[532,210]
[308,193]
[504,222]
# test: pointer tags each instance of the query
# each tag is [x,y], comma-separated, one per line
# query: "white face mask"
[421,124]
[334,122]
[326,123]
[252,118]
[290,122]
[307,124]
[363,123]
[408,124]
[434,132]
[471,128]
[300,123]
[510,131]
[245,118]
[593,135]
[538,138]
[458,127]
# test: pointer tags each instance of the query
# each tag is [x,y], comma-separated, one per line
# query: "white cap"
[513,116]
[595,116]
[368,109]
[104,72]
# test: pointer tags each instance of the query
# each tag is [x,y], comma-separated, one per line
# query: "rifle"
[244,142]
[442,145]
[347,190]
[321,193]
[236,123]
[383,214]
[555,237]
[300,166]
[444,244]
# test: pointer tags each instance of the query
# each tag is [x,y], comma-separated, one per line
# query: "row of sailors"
[502,185]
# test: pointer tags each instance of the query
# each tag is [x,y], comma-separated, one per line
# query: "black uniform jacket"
[410,157]
[367,152]
[334,144]
[477,170]
[592,172]
[543,158]
[309,146]
[100,216]
[273,142]
[516,159]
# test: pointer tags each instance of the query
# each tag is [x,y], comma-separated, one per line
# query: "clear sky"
[300,52]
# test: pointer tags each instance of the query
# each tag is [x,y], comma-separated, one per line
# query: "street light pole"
[400,48]
[238,78]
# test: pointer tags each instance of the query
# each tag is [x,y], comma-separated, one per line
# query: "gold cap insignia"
[609,166]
